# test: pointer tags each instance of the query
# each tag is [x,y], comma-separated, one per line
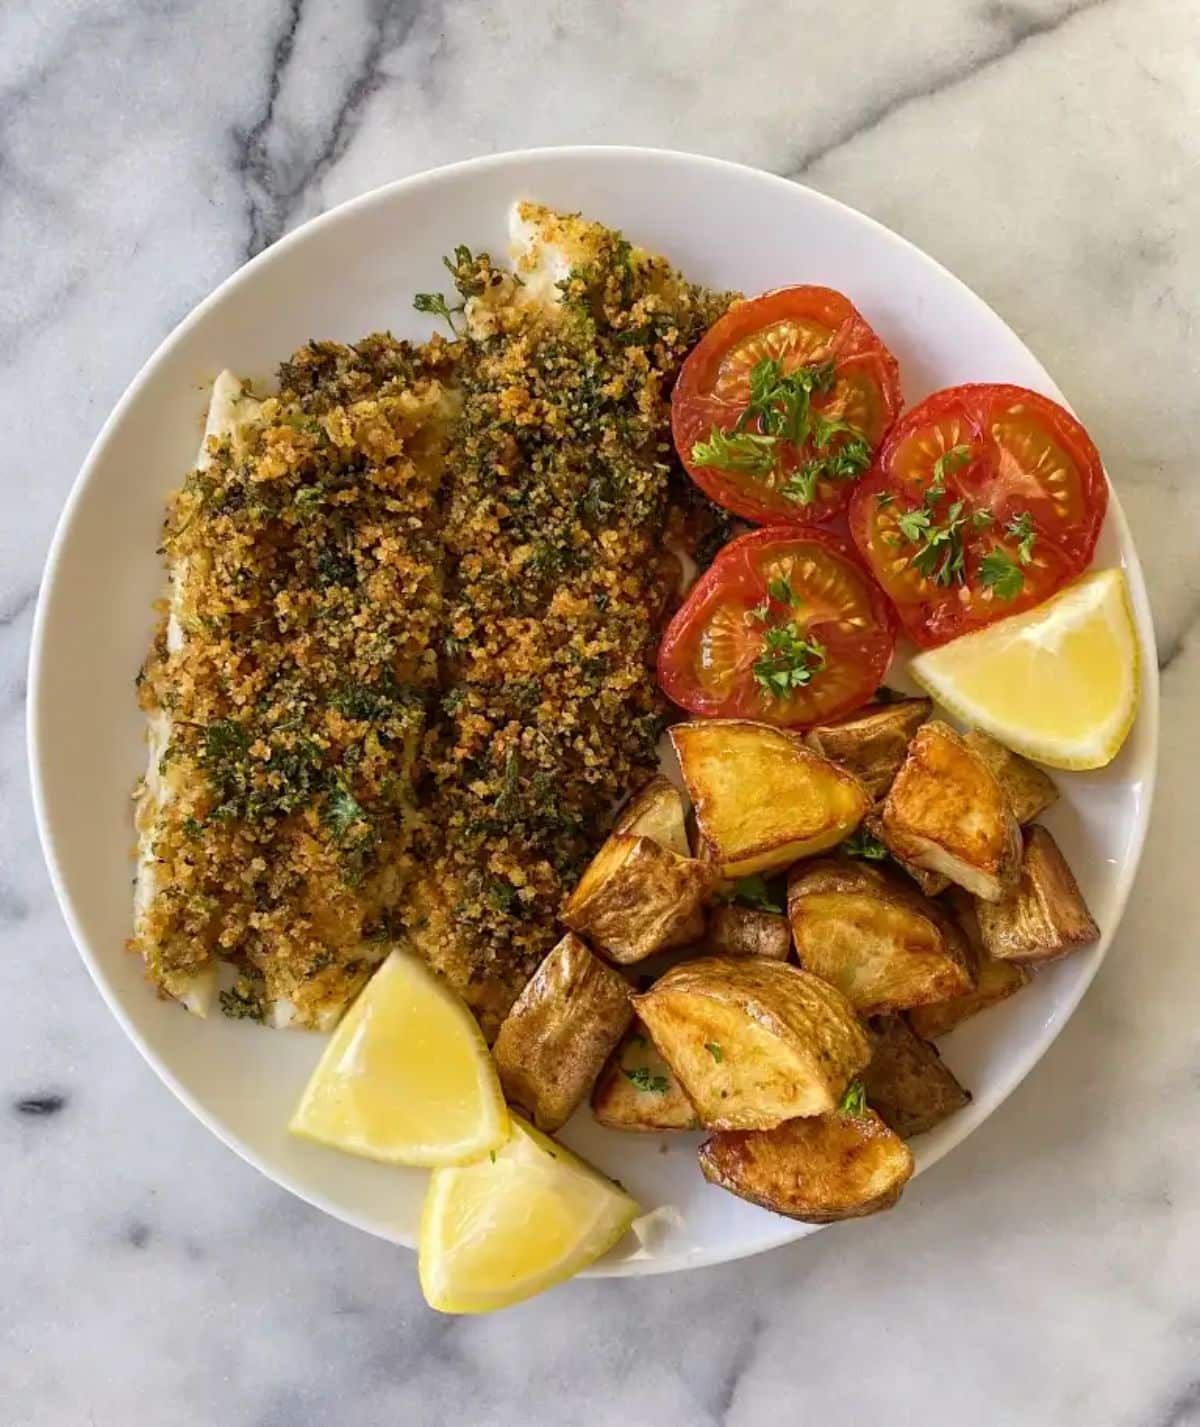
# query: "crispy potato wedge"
[658,812]
[865,930]
[1044,916]
[1029,790]
[820,1169]
[907,1085]
[931,883]
[946,812]
[754,1042]
[637,1089]
[553,1043]
[995,981]
[747,931]
[761,798]
[636,898]
[872,742]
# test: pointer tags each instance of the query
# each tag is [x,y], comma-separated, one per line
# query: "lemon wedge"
[1058,683]
[515,1223]
[406,1078]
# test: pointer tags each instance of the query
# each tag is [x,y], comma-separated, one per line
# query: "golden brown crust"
[1029,789]
[753,1041]
[872,742]
[553,1043]
[871,934]
[819,1170]
[761,798]
[946,812]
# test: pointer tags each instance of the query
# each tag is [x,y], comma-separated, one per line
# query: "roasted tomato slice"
[984,500]
[785,627]
[782,404]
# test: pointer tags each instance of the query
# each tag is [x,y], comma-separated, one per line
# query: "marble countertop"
[1046,151]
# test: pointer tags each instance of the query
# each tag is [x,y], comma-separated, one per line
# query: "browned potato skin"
[1044,916]
[619,1103]
[866,930]
[637,898]
[787,1043]
[1029,790]
[995,981]
[747,931]
[657,811]
[760,797]
[946,812]
[933,884]
[907,1085]
[819,1170]
[872,742]
[555,1040]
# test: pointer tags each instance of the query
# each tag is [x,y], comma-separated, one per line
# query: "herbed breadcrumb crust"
[421,613]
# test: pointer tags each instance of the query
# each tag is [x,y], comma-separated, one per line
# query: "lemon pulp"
[514,1223]
[406,1077]
[1058,683]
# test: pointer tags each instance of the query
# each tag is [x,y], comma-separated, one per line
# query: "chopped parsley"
[1020,527]
[753,891]
[436,305]
[862,844]
[645,1079]
[342,812]
[950,461]
[779,409]
[854,1101]
[939,556]
[780,590]
[998,571]
[715,1051]
[788,661]
[739,451]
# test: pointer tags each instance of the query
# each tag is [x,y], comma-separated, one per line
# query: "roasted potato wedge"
[1044,916]
[754,1042]
[658,812]
[1029,790]
[747,931]
[821,1169]
[931,883]
[865,930]
[637,1089]
[906,1083]
[872,742]
[995,981]
[761,798]
[553,1043]
[946,812]
[636,898]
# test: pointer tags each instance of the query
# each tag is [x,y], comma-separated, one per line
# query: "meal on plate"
[430,608]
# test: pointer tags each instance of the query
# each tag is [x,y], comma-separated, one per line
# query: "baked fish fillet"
[556,580]
[288,685]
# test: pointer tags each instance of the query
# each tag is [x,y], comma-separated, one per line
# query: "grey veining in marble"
[1048,1272]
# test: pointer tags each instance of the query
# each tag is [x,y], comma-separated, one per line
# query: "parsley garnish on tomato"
[780,408]
[983,501]
[784,627]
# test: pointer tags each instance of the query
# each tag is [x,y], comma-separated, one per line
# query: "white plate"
[353,271]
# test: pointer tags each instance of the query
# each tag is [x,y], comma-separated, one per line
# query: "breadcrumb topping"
[420,602]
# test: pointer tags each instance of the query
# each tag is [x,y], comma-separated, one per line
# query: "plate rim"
[781,1231]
